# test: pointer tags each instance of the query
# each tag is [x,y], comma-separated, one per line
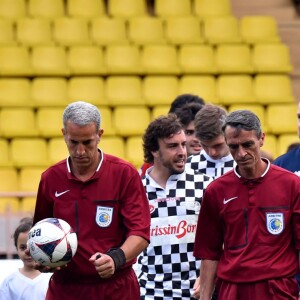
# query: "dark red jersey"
[252,227]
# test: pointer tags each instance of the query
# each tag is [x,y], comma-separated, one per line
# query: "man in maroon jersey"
[103,199]
[248,232]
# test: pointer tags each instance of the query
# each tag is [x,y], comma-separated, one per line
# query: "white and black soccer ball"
[52,242]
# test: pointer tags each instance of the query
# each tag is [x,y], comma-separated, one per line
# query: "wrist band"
[118,256]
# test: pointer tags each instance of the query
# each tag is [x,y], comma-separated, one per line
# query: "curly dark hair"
[161,127]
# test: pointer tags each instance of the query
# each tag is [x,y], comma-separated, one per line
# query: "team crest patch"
[104,216]
[275,223]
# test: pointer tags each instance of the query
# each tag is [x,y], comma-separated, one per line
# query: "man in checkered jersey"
[214,159]
[168,269]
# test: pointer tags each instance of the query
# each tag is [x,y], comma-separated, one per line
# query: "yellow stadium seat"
[270,89]
[86,60]
[106,121]
[71,31]
[211,8]
[12,9]
[134,151]
[90,88]
[126,8]
[29,152]
[49,91]
[160,60]
[183,30]
[270,145]
[29,178]
[57,149]
[236,58]
[49,121]
[159,110]
[172,8]
[272,58]
[7,32]
[145,30]
[9,181]
[50,9]
[203,86]
[11,205]
[15,92]
[285,140]
[106,31]
[124,90]
[5,159]
[85,8]
[15,61]
[233,89]
[259,29]
[221,30]
[123,59]
[160,90]
[139,117]
[49,61]
[197,59]
[113,145]
[258,109]
[33,32]
[281,118]
[18,122]
[27,205]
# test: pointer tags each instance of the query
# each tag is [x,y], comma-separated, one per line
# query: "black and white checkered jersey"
[203,163]
[168,269]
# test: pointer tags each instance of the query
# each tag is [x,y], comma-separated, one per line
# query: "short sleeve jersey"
[252,226]
[289,161]
[203,163]
[103,210]
[168,267]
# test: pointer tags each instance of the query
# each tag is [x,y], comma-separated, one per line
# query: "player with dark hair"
[183,99]
[103,199]
[168,269]
[251,217]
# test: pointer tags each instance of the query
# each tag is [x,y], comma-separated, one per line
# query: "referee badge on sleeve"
[104,216]
[275,223]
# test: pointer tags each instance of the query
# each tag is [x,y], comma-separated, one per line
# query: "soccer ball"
[52,242]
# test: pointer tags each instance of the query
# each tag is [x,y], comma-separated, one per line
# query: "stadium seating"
[134,151]
[12,10]
[159,90]
[144,30]
[87,88]
[271,145]
[33,32]
[106,121]
[210,8]
[197,59]
[285,140]
[85,8]
[86,60]
[50,9]
[160,60]
[105,31]
[18,122]
[126,8]
[7,32]
[256,29]
[57,150]
[123,59]
[29,178]
[172,8]
[183,30]
[159,110]
[5,160]
[15,61]
[49,92]
[15,92]
[8,180]
[124,90]
[113,145]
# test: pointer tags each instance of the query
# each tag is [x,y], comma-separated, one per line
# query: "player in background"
[214,159]
[26,283]
[186,115]
[176,105]
[252,220]
[168,269]
[103,199]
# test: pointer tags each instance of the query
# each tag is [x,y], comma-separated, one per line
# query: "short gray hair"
[82,113]
[244,119]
